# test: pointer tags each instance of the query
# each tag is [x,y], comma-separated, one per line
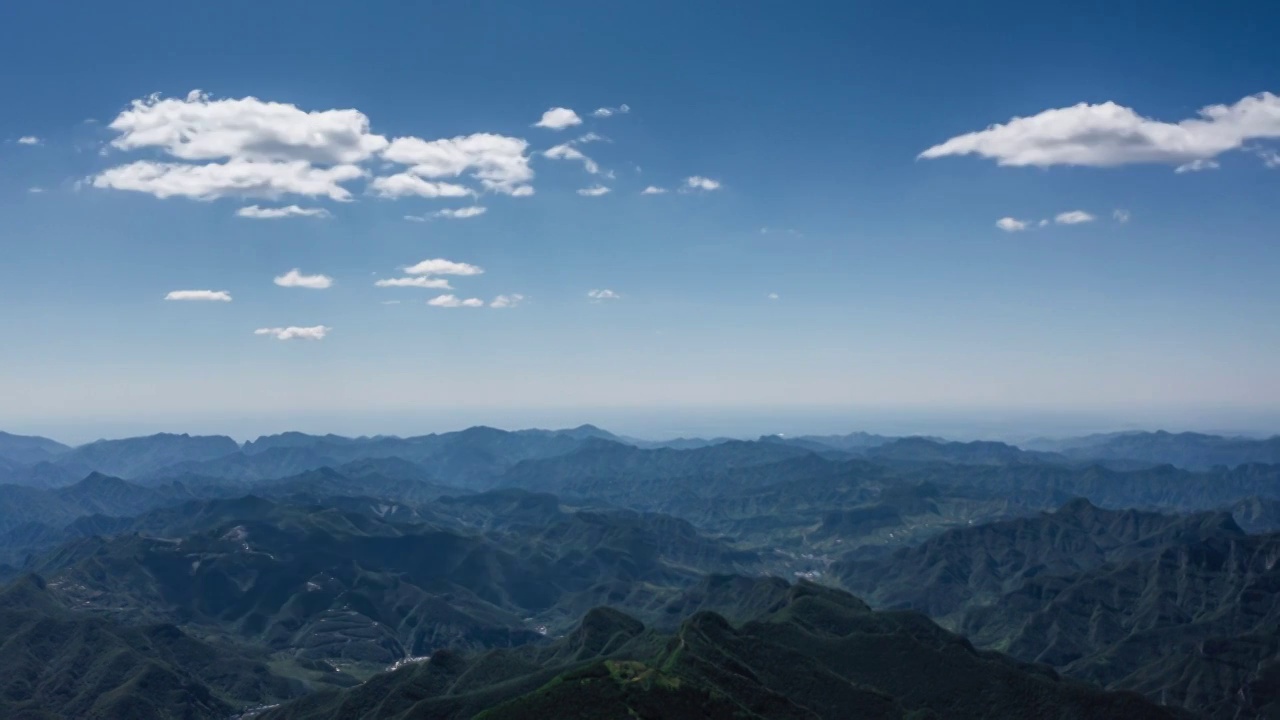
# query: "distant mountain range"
[575,573]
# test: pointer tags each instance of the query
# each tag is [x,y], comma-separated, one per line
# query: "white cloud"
[416,218]
[589,138]
[594,191]
[452,301]
[237,177]
[1108,134]
[497,161]
[1009,224]
[29,140]
[200,295]
[773,296]
[1196,166]
[697,182]
[1073,217]
[602,295]
[402,184]
[440,266]
[1120,216]
[390,302]
[1043,223]
[430,283]
[653,190]
[295,279]
[316,332]
[199,128]
[506,301]
[558,118]
[605,112]
[568,152]
[461,213]
[1270,158]
[261,213]
[35,189]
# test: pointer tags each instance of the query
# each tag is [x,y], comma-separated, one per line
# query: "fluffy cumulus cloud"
[461,213]
[440,266]
[29,140]
[295,279]
[1009,224]
[406,184]
[653,190]
[200,128]
[1108,135]
[200,295]
[315,332]
[594,191]
[568,152]
[421,281]
[498,162]
[261,213]
[558,118]
[246,178]
[602,295]
[1073,217]
[697,182]
[452,301]
[506,301]
[605,112]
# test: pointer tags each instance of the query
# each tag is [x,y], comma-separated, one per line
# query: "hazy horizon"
[963,424]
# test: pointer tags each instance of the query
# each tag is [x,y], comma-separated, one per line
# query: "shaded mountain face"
[1194,451]
[135,457]
[1185,609]
[56,663]
[28,449]
[350,585]
[816,653]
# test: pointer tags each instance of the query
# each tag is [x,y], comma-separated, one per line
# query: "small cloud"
[200,295]
[781,231]
[1009,224]
[452,301]
[430,283]
[261,213]
[605,112]
[407,184]
[1120,216]
[558,118]
[594,191]
[568,152]
[772,296]
[1043,222]
[316,332]
[1074,217]
[440,266]
[36,189]
[1270,158]
[602,295]
[295,279]
[653,190]
[506,301]
[416,218]
[390,302]
[1197,166]
[461,213]
[522,191]
[697,182]
[590,138]
[30,140]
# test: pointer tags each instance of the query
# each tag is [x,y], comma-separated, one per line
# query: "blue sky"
[828,275]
